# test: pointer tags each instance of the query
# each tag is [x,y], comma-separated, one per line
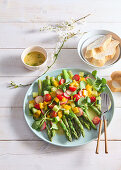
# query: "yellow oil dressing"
[34,58]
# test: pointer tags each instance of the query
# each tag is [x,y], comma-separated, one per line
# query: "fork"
[105,103]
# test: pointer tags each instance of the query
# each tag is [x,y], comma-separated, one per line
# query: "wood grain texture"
[48,11]
[22,35]
[34,155]
[14,127]
[11,65]
[20,22]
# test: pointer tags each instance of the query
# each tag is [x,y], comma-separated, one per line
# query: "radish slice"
[63,102]
[69,92]
[43,126]
[59,92]
[42,111]
[80,92]
[66,95]
[39,99]
[80,113]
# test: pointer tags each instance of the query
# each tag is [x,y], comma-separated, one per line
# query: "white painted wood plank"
[14,127]
[22,35]
[41,11]
[39,155]
[11,65]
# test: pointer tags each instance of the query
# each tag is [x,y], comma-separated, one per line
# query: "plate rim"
[46,140]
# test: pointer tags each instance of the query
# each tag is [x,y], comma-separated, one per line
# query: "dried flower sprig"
[65,31]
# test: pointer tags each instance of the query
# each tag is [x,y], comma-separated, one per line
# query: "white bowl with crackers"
[100,48]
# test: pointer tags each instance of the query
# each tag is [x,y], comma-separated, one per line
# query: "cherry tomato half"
[93,99]
[47,97]
[51,106]
[76,97]
[59,97]
[61,81]
[96,120]
[37,106]
[53,114]
[72,88]
[76,77]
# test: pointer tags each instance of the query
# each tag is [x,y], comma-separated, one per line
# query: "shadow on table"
[12,65]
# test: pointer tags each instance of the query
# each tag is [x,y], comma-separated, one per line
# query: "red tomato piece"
[72,88]
[76,97]
[76,77]
[37,106]
[93,99]
[47,97]
[96,120]
[61,81]
[59,97]
[51,106]
[53,114]
[80,92]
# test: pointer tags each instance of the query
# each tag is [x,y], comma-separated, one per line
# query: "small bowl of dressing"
[34,57]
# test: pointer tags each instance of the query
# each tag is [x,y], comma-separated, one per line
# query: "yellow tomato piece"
[82,79]
[67,107]
[75,109]
[56,84]
[41,105]
[60,114]
[88,87]
[85,93]
[56,99]
[37,114]
[64,99]
[31,102]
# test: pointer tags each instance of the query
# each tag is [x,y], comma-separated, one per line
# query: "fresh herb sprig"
[66,31]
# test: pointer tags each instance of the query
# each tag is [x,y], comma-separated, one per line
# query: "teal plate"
[61,140]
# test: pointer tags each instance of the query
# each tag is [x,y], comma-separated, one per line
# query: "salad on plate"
[62,104]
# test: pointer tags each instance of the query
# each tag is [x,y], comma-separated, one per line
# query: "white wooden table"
[20,22]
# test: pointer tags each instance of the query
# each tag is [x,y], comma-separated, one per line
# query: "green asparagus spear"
[70,74]
[73,131]
[76,128]
[73,116]
[53,131]
[86,117]
[52,79]
[65,75]
[95,109]
[39,87]
[66,130]
[66,123]
[48,131]
[48,80]
[84,123]
[58,78]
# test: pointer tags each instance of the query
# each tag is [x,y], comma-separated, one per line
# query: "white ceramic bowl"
[32,49]
[92,36]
